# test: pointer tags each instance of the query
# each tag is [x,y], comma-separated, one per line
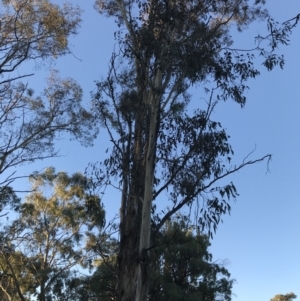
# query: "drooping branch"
[202,189]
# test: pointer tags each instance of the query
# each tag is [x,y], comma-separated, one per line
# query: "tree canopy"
[32,30]
[49,238]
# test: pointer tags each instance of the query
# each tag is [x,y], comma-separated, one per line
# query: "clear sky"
[261,238]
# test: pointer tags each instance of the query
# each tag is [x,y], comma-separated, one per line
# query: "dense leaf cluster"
[49,238]
[181,269]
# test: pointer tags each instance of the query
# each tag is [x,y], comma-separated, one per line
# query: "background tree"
[30,124]
[101,285]
[40,249]
[286,297]
[32,30]
[181,269]
[165,47]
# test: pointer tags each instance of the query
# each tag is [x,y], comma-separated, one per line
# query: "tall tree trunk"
[131,207]
[144,243]
[136,205]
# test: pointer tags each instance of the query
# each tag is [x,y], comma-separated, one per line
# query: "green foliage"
[31,30]
[8,200]
[48,239]
[286,297]
[34,29]
[181,269]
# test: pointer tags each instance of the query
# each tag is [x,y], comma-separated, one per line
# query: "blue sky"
[261,238]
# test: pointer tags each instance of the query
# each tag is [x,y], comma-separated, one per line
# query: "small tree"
[40,249]
[286,297]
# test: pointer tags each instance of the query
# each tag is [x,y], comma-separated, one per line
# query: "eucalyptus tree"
[42,247]
[31,31]
[160,148]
